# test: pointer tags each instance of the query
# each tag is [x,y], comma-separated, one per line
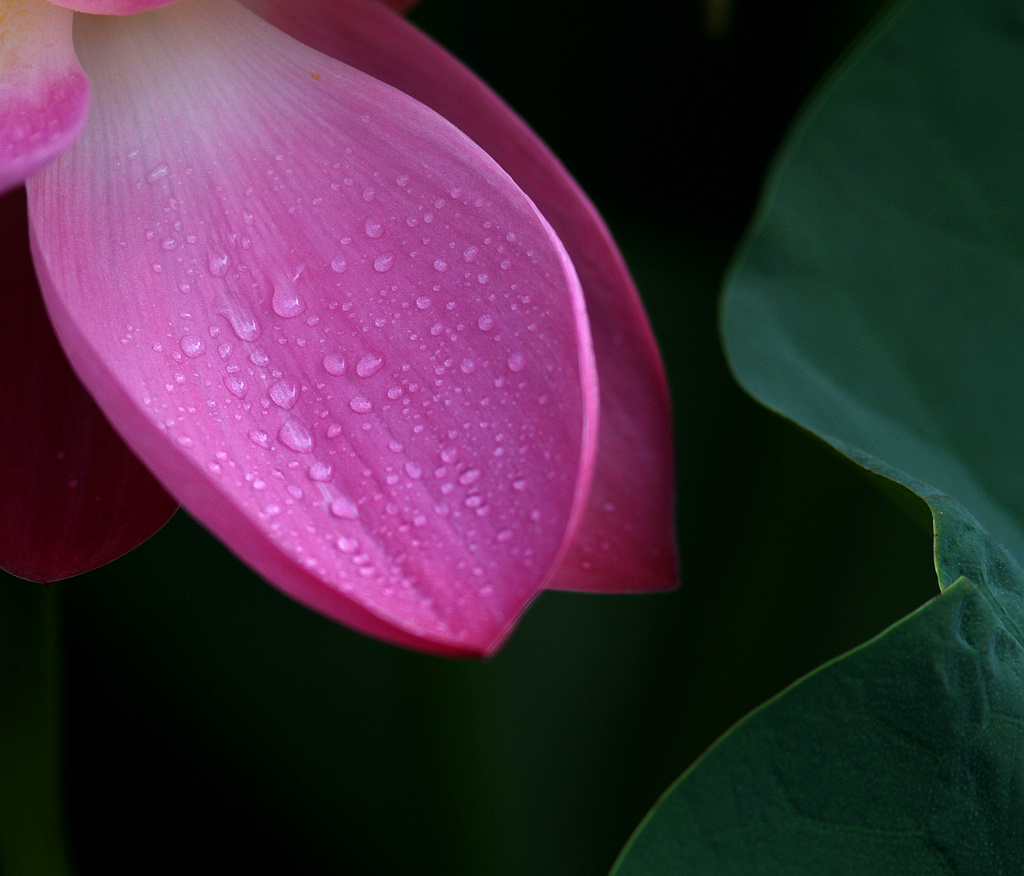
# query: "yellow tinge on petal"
[29,31]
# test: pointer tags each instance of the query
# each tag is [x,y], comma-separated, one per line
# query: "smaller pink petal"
[112,7]
[44,95]
[72,496]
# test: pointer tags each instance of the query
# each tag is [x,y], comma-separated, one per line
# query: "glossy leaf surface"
[877,303]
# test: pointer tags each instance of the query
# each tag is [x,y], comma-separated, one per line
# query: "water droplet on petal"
[470,476]
[335,363]
[236,385]
[516,362]
[320,471]
[338,264]
[373,228]
[295,436]
[260,438]
[347,545]
[361,405]
[158,173]
[217,262]
[284,393]
[344,508]
[384,263]
[192,346]
[285,301]
[369,365]
[244,325]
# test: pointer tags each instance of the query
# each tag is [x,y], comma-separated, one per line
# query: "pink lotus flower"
[340,302]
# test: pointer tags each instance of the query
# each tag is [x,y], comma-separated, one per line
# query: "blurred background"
[213,726]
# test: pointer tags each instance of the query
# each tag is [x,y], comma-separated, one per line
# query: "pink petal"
[72,496]
[626,540]
[44,95]
[338,332]
[112,7]
[400,5]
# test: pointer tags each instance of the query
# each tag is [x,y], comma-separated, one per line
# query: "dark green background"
[213,726]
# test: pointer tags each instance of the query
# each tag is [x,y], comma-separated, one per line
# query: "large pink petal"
[339,333]
[626,540]
[72,496]
[44,95]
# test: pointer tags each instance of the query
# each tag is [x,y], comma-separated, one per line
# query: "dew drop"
[284,393]
[516,362]
[320,471]
[192,346]
[361,405]
[158,173]
[413,470]
[295,436]
[369,365]
[470,253]
[344,508]
[470,476]
[440,265]
[338,264]
[260,438]
[335,363]
[384,263]
[347,545]
[423,303]
[485,323]
[245,326]
[217,262]
[285,301]
[468,366]
[373,228]
[236,386]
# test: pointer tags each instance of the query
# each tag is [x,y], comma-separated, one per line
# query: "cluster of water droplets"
[390,383]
